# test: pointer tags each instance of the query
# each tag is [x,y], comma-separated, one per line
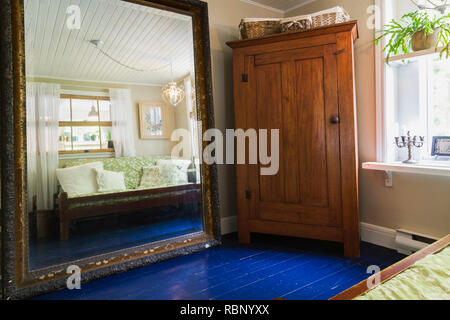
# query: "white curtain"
[43,103]
[192,121]
[122,132]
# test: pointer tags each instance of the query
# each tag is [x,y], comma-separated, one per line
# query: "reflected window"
[85,124]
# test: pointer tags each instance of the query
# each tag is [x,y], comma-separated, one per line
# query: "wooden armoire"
[303,84]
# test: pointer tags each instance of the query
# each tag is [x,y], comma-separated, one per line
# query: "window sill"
[414,55]
[436,168]
[86,155]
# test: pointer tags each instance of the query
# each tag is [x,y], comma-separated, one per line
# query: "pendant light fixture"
[93,114]
[172,93]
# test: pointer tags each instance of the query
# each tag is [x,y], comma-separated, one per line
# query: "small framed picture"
[156,120]
[441,146]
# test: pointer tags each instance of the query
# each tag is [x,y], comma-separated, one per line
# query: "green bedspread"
[427,279]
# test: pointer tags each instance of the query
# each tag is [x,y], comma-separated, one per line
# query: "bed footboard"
[162,196]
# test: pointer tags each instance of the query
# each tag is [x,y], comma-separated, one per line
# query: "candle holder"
[409,142]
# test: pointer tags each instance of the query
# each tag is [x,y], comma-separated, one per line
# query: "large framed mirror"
[92,181]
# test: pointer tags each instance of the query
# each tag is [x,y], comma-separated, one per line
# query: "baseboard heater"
[408,242]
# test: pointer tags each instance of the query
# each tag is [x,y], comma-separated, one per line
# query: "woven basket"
[330,16]
[296,23]
[256,28]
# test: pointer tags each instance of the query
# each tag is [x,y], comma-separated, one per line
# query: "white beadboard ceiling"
[141,37]
[281,6]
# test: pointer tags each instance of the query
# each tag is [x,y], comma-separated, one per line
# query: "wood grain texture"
[240,91]
[302,84]
[348,144]
[271,267]
[269,112]
[311,132]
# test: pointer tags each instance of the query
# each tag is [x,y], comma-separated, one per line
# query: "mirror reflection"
[108,82]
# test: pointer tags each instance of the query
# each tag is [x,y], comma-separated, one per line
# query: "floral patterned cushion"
[131,167]
[152,177]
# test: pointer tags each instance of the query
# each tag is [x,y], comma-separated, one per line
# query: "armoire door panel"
[311,132]
[295,213]
[270,116]
[292,95]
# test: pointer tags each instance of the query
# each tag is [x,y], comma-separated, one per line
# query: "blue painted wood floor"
[271,267]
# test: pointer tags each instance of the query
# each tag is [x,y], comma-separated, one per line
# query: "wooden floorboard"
[271,267]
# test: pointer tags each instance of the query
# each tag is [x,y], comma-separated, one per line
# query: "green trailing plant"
[400,33]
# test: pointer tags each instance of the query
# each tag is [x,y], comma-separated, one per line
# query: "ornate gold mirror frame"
[18,280]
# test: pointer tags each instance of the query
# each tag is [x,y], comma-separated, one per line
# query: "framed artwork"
[155,120]
[441,146]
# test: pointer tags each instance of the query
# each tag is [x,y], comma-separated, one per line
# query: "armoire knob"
[335,120]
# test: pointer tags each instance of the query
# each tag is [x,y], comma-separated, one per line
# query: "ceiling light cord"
[97,43]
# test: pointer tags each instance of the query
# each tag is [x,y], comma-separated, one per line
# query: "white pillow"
[109,181]
[80,180]
[181,164]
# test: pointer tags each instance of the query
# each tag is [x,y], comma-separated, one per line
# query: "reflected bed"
[134,198]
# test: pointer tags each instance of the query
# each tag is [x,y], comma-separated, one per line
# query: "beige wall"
[224,19]
[416,202]
[154,146]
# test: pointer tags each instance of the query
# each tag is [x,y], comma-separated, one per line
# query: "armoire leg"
[352,248]
[244,236]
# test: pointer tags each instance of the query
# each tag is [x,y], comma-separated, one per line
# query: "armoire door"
[296,92]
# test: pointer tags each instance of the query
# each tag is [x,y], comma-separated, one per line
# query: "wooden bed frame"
[389,273]
[189,193]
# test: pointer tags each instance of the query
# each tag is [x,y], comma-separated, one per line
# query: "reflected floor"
[88,242]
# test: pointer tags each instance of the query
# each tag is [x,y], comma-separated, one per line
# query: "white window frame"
[385,160]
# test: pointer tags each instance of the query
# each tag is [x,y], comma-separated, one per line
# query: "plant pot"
[420,41]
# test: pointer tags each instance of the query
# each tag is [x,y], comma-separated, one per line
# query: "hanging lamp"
[172,93]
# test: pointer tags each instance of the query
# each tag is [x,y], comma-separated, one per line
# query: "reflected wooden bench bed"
[393,271]
[69,209]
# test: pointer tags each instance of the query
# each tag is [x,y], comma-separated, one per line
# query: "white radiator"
[408,242]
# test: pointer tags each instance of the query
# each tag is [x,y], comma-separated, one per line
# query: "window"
[413,96]
[439,98]
[84,124]
[419,102]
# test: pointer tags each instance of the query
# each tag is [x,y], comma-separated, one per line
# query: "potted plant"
[416,31]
